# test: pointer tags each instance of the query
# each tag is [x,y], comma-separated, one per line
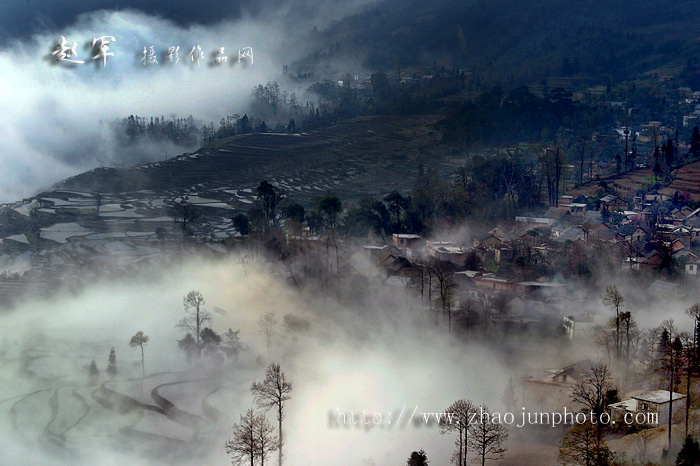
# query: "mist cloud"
[394,363]
[50,112]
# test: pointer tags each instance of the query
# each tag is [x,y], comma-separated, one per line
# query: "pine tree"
[694,150]
[112,363]
[94,372]
[418,458]
[690,452]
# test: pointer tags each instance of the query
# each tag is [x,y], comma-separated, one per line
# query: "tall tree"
[457,419]
[444,280]
[594,392]
[195,318]
[330,207]
[692,356]
[243,445]
[268,199]
[267,324]
[265,441]
[694,150]
[186,214]
[488,437]
[140,340]
[397,205]
[614,300]
[669,363]
[272,393]
[112,363]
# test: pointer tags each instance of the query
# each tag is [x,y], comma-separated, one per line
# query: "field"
[685,179]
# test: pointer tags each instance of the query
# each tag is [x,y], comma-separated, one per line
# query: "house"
[691,266]
[651,260]
[650,408]
[536,221]
[573,208]
[501,232]
[679,244]
[581,199]
[487,240]
[491,282]
[539,290]
[534,236]
[582,325]
[631,233]
[654,196]
[553,391]
[691,216]
[574,233]
[504,254]
[612,203]
[556,213]
[403,241]
[456,255]
[664,290]
[486,256]
[394,264]
[377,250]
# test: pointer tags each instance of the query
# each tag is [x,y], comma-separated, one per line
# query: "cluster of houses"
[645,234]
[526,306]
[552,392]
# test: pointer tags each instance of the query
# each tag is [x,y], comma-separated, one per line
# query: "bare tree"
[243,446]
[457,419]
[273,392]
[614,300]
[692,357]
[140,340]
[581,144]
[669,363]
[582,446]
[265,441]
[551,166]
[592,392]
[196,317]
[267,324]
[186,214]
[642,439]
[593,388]
[445,286]
[488,437]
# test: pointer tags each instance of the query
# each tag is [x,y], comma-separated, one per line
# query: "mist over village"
[370,233]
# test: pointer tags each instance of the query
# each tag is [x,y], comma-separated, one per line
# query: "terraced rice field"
[55,404]
[108,217]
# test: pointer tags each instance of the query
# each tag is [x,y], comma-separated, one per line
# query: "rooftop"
[544,284]
[627,405]
[658,396]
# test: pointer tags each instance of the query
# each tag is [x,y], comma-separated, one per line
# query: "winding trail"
[173,412]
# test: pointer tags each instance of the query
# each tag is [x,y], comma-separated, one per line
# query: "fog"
[379,361]
[50,112]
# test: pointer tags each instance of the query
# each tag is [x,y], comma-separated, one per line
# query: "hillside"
[516,42]
[686,179]
[61,229]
